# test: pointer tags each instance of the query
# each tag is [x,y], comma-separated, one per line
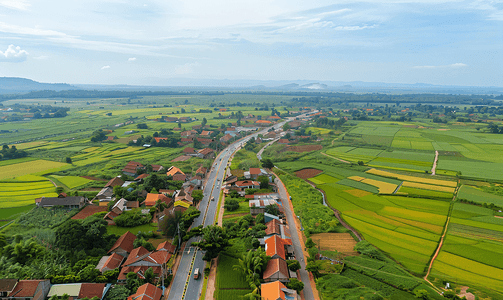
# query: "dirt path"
[341,160]
[210,288]
[434,163]
[439,247]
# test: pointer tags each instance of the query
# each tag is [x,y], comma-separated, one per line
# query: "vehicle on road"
[212,198]
[196,273]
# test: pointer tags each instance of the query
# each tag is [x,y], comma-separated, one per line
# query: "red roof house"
[90,290]
[124,245]
[117,181]
[276,269]
[152,199]
[113,262]
[275,247]
[147,292]
[31,289]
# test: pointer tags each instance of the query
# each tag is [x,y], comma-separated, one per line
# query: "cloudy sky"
[133,42]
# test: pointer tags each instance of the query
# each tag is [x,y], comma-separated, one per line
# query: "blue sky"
[135,42]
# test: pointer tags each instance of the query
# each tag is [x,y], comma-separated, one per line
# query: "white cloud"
[186,68]
[15,4]
[8,28]
[132,59]
[456,65]
[13,54]
[42,57]
[105,67]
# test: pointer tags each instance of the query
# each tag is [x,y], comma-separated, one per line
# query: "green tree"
[314,268]
[295,284]
[68,160]
[214,240]
[118,292]
[149,275]
[422,294]
[231,205]
[272,209]
[293,265]
[267,163]
[309,243]
[264,182]
[197,196]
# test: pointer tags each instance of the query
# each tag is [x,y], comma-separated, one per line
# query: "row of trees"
[12,152]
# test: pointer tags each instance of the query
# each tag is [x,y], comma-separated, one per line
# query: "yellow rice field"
[358,193]
[413,178]
[384,187]
[428,187]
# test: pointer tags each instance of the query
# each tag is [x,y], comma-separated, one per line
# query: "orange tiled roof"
[91,290]
[89,211]
[272,290]
[25,288]
[173,170]
[125,242]
[152,199]
[135,255]
[147,292]
[113,262]
[276,246]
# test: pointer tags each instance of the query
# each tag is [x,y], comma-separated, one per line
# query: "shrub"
[132,219]
[231,205]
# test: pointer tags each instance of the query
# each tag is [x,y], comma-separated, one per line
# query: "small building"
[247,184]
[157,168]
[6,287]
[276,247]
[110,262]
[30,290]
[226,138]
[276,290]
[71,289]
[258,206]
[141,177]
[68,202]
[152,199]
[276,270]
[116,181]
[147,292]
[176,173]
[106,193]
[132,167]
[189,150]
[254,173]
[201,171]
[123,245]
[91,290]
[206,153]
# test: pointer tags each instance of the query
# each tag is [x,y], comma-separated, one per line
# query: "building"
[152,199]
[157,168]
[226,138]
[111,262]
[31,290]
[140,260]
[6,287]
[67,202]
[147,292]
[116,181]
[123,245]
[276,270]
[254,173]
[201,171]
[206,153]
[277,291]
[276,247]
[189,150]
[90,290]
[258,206]
[176,173]
[132,167]
[106,193]
[247,184]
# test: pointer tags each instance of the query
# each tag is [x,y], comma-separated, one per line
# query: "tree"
[142,126]
[272,209]
[267,163]
[118,292]
[422,294]
[132,282]
[231,205]
[203,123]
[295,284]
[69,160]
[197,196]
[310,243]
[293,265]
[286,127]
[313,267]
[264,182]
[214,240]
[149,275]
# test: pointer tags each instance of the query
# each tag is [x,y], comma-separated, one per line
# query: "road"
[296,241]
[184,286]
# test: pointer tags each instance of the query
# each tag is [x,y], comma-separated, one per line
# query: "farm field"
[229,284]
[39,166]
[341,242]
[475,194]
[24,191]
[71,182]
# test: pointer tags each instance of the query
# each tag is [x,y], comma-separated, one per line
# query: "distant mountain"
[13,85]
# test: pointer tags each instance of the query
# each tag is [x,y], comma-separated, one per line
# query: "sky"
[444,42]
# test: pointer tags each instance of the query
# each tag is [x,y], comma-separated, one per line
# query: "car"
[196,273]
[212,198]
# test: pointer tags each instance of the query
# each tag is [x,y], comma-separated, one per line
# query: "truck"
[196,273]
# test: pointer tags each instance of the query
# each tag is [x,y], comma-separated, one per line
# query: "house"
[201,171]
[152,199]
[276,290]
[273,227]
[226,138]
[188,133]
[275,247]
[254,173]
[106,193]
[131,168]
[176,173]
[157,168]
[180,206]
[142,176]
[158,139]
[68,202]
[111,138]
[166,246]
[123,245]
[189,150]
[90,290]
[186,140]
[147,292]
[295,124]
[166,192]
[247,184]
[6,286]
[276,270]
[110,262]
[184,197]
[263,122]
[140,260]
[258,206]
[71,289]
[31,289]
[89,210]
[206,153]
[204,141]
[206,133]
[283,141]
[116,181]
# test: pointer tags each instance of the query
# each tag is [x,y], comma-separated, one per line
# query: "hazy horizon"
[124,42]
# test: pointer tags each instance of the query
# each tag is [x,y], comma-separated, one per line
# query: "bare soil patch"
[307,173]
[342,242]
[238,172]
[181,158]
[303,148]
[463,293]
[94,178]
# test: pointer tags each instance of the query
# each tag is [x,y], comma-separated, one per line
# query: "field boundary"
[341,160]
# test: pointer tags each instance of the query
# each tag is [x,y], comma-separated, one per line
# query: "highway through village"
[184,286]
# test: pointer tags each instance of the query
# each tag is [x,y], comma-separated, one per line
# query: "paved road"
[296,241]
[191,257]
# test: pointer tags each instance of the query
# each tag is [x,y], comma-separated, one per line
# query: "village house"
[152,199]
[116,181]
[276,290]
[131,168]
[226,138]
[276,270]
[247,184]
[147,292]
[6,286]
[68,202]
[254,173]
[206,153]
[140,260]
[157,168]
[30,290]
[176,173]
[258,206]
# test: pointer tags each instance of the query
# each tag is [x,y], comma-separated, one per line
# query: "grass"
[29,167]
[477,195]
[134,230]
[71,182]
[227,277]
